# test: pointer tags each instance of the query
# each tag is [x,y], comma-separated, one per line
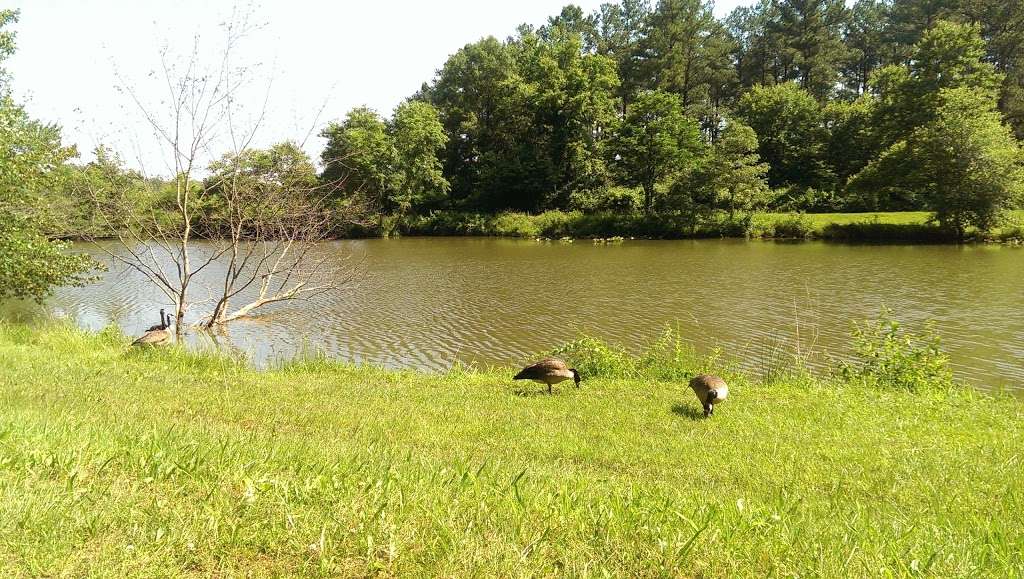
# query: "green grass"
[123,462]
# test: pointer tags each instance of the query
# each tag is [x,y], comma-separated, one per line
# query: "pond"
[429,302]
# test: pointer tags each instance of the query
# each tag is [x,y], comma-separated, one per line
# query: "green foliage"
[948,149]
[809,34]
[94,199]
[853,142]
[391,167]
[869,44]
[621,199]
[656,143]
[359,157]
[31,265]
[418,137]
[7,45]
[32,160]
[917,226]
[795,226]
[948,56]
[251,193]
[970,167]
[686,51]
[733,176]
[594,358]
[888,356]
[792,137]
[668,359]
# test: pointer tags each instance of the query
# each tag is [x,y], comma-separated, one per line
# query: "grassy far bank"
[157,462]
[914,226]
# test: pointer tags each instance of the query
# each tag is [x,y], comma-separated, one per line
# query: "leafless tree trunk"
[274,226]
[268,245]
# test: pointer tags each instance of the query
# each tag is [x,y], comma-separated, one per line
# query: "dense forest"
[656,112]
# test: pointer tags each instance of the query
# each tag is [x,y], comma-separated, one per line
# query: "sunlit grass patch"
[164,462]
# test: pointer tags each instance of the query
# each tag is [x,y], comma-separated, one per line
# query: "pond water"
[427,302]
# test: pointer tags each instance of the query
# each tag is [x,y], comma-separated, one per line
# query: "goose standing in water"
[709,390]
[157,335]
[549,371]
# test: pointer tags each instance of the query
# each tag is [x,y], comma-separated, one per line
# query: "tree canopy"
[32,162]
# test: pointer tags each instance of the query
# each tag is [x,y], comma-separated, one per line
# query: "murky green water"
[427,302]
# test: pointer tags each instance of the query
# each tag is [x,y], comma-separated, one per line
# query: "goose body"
[158,335]
[710,390]
[549,371]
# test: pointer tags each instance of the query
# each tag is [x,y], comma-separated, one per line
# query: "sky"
[312,60]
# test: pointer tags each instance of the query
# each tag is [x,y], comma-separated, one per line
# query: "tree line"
[787,105]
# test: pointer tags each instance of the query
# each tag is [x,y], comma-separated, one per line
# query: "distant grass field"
[121,462]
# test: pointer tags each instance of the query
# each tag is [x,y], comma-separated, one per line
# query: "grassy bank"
[126,462]
[900,226]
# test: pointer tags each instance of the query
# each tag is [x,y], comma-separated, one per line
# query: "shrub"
[795,226]
[620,199]
[32,265]
[806,199]
[877,231]
[670,358]
[596,358]
[555,223]
[888,356]
[512,224]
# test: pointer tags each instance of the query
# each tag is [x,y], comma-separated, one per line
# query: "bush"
[514,225]
[448,223]
[806,199]
[672,359]
[556,224]
[887,356]
[875,230]
[793,226]
[620,199]
[668,359]
[32,265]
[595,358]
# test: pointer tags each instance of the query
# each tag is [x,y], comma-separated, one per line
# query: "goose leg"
[549,389]
[707,410]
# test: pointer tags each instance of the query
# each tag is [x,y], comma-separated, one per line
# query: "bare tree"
[265,232]
[270,216]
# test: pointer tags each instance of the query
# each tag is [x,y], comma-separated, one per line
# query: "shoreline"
[853,228]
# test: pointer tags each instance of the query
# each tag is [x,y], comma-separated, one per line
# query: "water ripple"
[426,303]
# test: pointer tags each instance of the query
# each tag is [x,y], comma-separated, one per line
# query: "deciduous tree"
[656,142]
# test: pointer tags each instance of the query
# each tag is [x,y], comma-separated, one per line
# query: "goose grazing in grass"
[549,371]
[156,335]
[709,390]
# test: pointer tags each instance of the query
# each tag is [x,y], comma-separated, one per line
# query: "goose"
[709,390]
[159,326]
[157,335]
[549,371]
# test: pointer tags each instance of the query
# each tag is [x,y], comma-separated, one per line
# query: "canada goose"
[709,390]
[549,371]
[157,335]
[159,326]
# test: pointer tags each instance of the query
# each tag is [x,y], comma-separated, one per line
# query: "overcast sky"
[320,54]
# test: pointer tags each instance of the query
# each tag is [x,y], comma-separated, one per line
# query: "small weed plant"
[886,355]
